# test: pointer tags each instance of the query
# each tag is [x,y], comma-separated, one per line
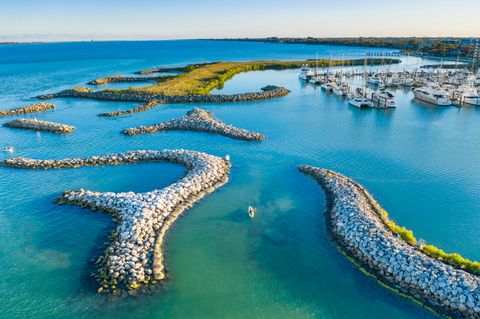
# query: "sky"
[54,20]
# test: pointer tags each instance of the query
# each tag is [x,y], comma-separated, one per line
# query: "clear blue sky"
[168,19]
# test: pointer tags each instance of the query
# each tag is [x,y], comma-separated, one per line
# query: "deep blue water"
[422,164]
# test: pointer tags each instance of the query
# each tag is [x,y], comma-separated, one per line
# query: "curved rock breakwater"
[268,92]
[31,108]
[37,125]
[198,120]
[134,257]
[124,79]
[356,224]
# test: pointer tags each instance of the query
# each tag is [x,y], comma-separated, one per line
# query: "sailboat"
[360,99]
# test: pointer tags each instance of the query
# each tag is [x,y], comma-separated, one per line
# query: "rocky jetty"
[268,92]
[198,120]
[355,222]
[134,257]
[141,108]
[31,108]
[37,125]
[123,79]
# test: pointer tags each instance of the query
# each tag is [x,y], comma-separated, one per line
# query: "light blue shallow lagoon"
[422,164]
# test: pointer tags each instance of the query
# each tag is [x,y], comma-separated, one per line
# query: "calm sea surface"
[422,163]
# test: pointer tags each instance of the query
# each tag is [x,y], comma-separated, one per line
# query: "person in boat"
[251,211]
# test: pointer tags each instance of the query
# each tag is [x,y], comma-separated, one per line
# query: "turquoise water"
[422,163]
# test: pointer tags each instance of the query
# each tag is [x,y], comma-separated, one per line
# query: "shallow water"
[422,163]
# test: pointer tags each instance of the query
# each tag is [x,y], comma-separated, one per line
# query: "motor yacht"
[432,94]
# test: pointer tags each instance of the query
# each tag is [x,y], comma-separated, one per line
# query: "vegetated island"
[197,120]
[134,257]
[448,283]
[196,81]
[438,47]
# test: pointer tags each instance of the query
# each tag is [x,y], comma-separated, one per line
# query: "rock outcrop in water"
[31,108]
[37,125]
[356,225]
[134,257]
[198,120]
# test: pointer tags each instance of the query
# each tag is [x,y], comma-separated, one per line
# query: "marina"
[219,245]
[437,86]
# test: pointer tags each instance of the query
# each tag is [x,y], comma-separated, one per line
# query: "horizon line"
[225,38]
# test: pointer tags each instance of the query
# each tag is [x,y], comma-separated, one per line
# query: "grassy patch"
[453,259]
[202,78]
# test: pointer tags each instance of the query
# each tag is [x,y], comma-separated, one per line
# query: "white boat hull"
[472,101]
[431,100]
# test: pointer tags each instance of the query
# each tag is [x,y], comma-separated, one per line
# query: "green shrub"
[453,259]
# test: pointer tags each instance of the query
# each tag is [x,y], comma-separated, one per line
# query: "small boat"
[374,79]
[383,99]
[317,79]
[251,211]
[9,149]
[305,73]
[341,90]
[467,95]
[360,102]
[329,85]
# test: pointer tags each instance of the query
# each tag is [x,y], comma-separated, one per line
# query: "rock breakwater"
[37,125]
[198,120]
[268,92]
[357,226]
[141,108]
[124,79]
[134,257]
[31,108]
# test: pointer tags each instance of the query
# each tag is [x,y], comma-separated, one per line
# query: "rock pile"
[37,125]
[31,108]
[134,257]
[358,228]
[198,120]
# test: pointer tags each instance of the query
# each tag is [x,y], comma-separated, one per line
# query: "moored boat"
[432,94]
[383,99]
[360,102]
[305,72]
